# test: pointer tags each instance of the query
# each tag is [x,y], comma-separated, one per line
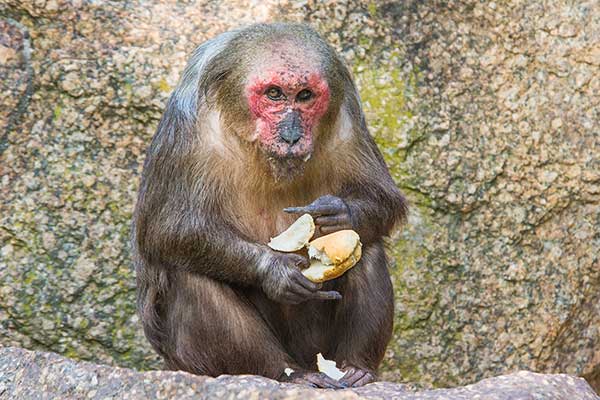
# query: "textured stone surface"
[31,375]
[487,113]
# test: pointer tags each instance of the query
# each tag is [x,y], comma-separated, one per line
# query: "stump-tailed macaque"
[265,124]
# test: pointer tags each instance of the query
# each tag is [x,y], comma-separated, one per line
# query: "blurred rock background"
[487,113]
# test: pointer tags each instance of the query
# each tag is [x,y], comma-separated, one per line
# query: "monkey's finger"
[347,372]
[303,210]
[323,381]
[327,229]
[352,375]
[330,295]
[300,262]
[338,219]
[300,291]
[314,209]
[357,377]
[290,296]
[367,378]
[306,283]
[294,210]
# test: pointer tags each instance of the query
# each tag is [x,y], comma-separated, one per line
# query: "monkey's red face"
[287,103]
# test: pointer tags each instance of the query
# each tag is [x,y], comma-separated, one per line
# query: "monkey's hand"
[283,282]
[331,213]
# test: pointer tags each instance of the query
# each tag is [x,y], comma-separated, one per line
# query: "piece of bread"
[332,255]
[329,368]
[335,247]
[296,236]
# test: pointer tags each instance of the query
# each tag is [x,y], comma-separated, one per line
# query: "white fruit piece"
[296,236]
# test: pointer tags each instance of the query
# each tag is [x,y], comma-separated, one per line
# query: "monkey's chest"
[260,220]
[265,224]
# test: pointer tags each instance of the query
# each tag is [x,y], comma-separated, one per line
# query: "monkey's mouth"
[288,161]
[300,151]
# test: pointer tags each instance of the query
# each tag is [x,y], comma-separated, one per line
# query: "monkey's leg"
[212,329]
[364,317]
[299,330]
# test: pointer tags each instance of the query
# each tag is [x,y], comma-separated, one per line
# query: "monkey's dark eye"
[274,93]
[304,95]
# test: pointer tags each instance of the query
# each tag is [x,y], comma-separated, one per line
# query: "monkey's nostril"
[291,136]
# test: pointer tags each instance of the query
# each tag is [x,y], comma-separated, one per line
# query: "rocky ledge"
[34,375]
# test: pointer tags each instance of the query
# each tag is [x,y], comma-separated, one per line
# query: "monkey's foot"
[356,377]
[314,379]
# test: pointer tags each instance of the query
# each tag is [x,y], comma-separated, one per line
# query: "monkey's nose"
[290,128]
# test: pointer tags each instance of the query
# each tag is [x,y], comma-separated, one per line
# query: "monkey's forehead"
[285,74]
[284,55]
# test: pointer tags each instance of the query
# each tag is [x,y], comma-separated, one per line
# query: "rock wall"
[487,113]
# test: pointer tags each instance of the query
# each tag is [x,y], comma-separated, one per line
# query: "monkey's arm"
[185,239]
[374,208]
[371,206]
[370,211]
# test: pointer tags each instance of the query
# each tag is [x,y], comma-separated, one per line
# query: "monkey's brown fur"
[210,199]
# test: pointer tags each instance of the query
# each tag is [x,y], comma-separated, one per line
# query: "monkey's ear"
[175,129]
[199,72]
